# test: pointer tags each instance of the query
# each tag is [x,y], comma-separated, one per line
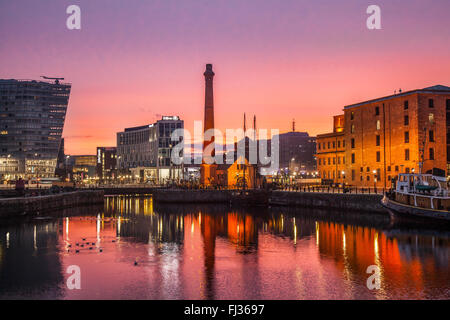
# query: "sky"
[135,60]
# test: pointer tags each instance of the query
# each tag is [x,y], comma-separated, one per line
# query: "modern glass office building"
[32,115]
[145,151]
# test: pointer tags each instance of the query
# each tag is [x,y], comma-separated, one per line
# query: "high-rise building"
[401,133]
[297,152]
[32,115]
[145,151]
[106,162]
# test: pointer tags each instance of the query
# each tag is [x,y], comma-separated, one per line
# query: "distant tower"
[208,171]
[293,125]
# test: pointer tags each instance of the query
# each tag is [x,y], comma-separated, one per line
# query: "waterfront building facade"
[331,153]
[32,115]
[106,163]
[401,133]
[145,151]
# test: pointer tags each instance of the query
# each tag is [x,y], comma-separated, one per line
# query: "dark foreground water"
[214,252]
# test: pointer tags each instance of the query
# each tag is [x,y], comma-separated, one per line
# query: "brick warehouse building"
[331,152]
[386,136]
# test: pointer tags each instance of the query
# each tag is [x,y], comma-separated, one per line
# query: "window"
[339,143]
[320,161]
[396,168]
[329,160]
[352,115]
[334,160]
[378,140]
[406,136]
[353,158]
[389,168]
[318,146]
[352,130]
[361,169]
[406,105]
[353,143]
[406,154]
[353,175]
[334,144]
[329,144]
[430,103]
[448,104]
[343,143]
[368,169]
[368,178]
[378,125]
[406,121]
[431,135]
[431,118]
[323,146]
[431,154]
[377,111]
[378,156]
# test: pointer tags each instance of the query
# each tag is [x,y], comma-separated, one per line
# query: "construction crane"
[49,78]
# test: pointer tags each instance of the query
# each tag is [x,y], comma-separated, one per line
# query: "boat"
[423,196]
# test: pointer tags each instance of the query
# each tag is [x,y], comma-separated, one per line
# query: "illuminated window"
[431,118]
[352,130]
[378,125]
[352,115]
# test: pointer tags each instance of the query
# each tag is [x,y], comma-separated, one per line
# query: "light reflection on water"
[215,252]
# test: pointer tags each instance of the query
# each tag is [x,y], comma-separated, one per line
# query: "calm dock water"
[134,249]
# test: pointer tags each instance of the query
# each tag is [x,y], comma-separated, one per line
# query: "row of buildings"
[370,144]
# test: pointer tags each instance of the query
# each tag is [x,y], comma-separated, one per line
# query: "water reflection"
[133,248]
